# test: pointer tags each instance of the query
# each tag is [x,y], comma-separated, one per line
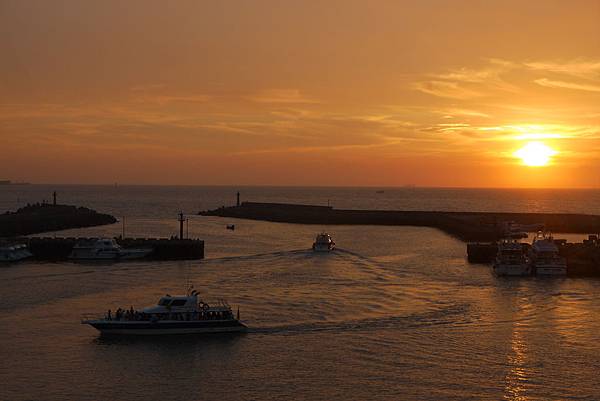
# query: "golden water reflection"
[518,374]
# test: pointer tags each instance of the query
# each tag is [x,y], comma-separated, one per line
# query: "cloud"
[454,112]
[567,85]
[286,96]
[445,89]
[588,69]
[466,83]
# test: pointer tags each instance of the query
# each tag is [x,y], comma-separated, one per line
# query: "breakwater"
[467,226]
[45,217]
[57,249]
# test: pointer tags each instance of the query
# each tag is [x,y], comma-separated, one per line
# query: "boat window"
[164,301]
[178,302]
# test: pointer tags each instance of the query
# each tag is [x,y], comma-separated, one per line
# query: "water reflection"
[518,374]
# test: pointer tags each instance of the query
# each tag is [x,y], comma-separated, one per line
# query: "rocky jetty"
[44,217]
[467,226]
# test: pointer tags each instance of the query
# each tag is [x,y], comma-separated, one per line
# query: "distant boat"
[171,315]
[9,182]
[323,243]
[380,191]
[231,226]
[105,249]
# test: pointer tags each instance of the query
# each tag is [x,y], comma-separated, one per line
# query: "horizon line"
[406,186]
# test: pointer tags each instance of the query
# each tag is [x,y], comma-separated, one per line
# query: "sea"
[394,313]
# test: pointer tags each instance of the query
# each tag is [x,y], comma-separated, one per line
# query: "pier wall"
[57,249]
[467,226]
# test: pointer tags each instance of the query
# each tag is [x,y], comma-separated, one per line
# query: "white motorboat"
[185,314]
[545,260]
[511,259]
[106,249]
[14,252]
[323,243]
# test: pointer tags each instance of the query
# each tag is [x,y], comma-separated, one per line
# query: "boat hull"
[551,270]
[512,270]
[109,327]
[323,247]
[111,255]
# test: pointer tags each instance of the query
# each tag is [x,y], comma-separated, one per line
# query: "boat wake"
[456,315]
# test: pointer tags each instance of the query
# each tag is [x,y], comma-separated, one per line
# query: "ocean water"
[395,313]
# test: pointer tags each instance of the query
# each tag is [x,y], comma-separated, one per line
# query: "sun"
[535,154]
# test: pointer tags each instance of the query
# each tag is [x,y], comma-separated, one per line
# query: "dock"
[58,248]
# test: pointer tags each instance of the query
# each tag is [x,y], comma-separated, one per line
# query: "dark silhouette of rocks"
[45,217]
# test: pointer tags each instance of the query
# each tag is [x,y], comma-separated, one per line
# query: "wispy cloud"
[588,69]
[287,96]
[452,90]
[567,85]
[466,83]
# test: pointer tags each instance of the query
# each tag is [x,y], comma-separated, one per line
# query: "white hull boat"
[106,249]
[14,253]
[545,258]
[511,259]
[172,315]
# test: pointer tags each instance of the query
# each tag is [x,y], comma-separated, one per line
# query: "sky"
[348,93]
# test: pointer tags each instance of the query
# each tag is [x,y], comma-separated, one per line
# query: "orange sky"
[435,93]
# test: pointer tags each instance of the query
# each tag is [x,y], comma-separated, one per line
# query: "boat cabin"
[168,304]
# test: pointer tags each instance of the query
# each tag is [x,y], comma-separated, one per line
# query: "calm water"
[395,313]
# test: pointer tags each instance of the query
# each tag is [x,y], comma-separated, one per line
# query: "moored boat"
[545,259]
[511,259]
[171,315]
[106,249]
[323,243]
[14,252]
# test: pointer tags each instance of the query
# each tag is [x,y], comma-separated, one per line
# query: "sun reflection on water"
[518,374]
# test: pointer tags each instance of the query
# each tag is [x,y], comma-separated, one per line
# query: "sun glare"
[535,154]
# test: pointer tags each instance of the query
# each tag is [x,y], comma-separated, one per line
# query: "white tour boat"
[105,249]
[172,315]
[14,252]
[511,259]
[323,243]
[544,256]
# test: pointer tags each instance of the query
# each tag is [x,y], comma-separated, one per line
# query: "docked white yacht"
[185,314]
[511,259]
[105,249]
[544,256]
[323,243]
[14,252]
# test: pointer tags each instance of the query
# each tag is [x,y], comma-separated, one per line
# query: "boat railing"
[93,316]
[221,303]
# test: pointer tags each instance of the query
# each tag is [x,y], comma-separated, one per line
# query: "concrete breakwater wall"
[56,249]
[468,226]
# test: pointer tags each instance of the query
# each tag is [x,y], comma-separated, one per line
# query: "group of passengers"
[125,314]
[133,315]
